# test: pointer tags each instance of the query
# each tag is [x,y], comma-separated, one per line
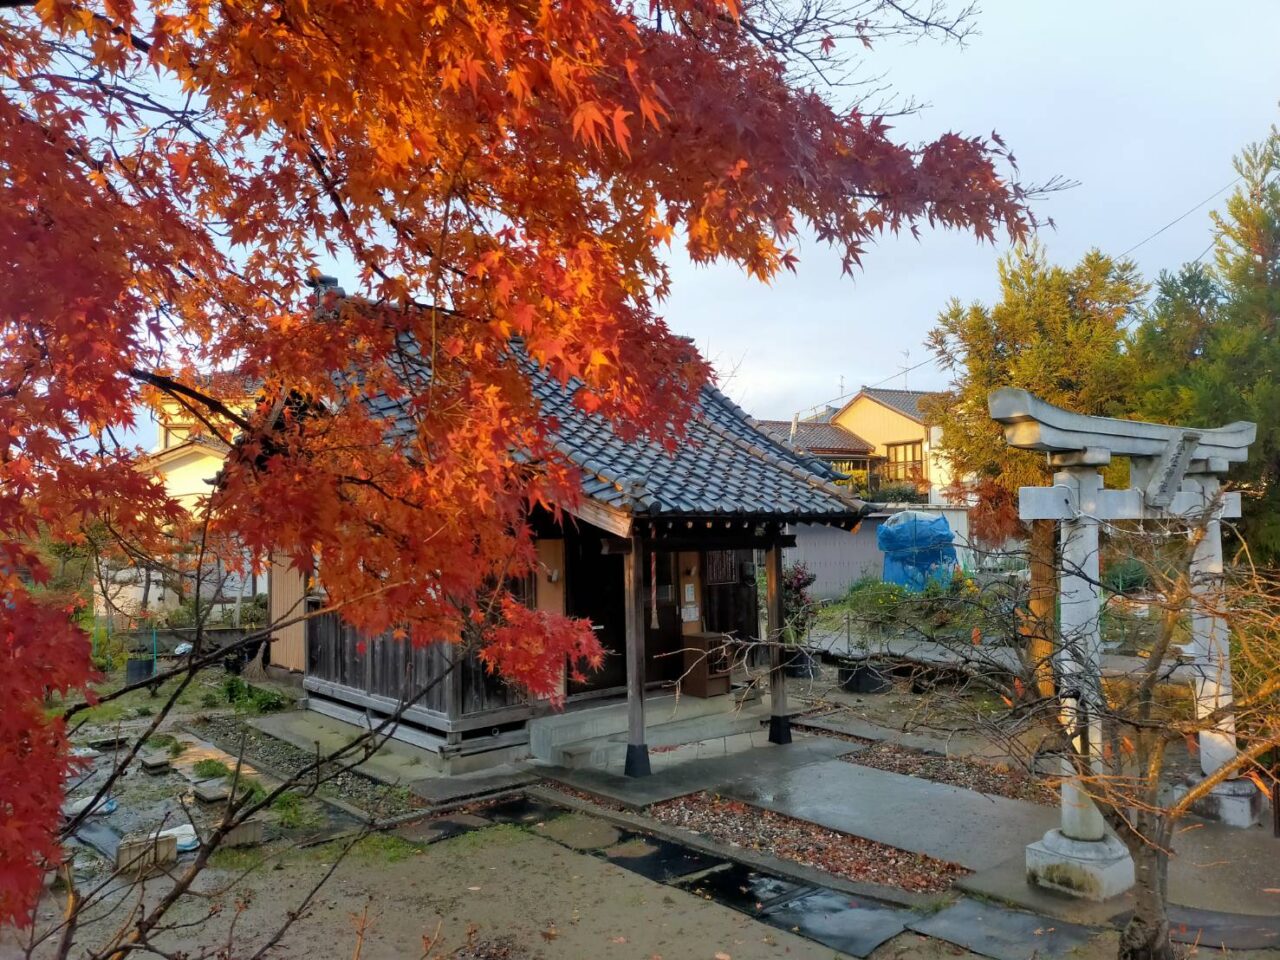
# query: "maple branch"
[178,390]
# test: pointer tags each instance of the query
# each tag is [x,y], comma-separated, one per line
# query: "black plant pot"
[863,678]
[800,664]
[137,670]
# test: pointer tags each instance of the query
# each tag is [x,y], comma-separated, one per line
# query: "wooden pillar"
[779,719]
[453,686]
[633,586]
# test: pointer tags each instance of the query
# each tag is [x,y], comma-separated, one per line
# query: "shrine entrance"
[1175,479]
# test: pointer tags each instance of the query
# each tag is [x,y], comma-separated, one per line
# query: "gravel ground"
[855,858]
[600,802]
[502,948]
[378,799]
[956,771]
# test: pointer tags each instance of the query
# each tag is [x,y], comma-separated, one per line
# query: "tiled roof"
[725,465]
[904,401]
[822,438]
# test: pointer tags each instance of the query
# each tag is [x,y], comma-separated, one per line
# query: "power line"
[1182,217]
[867,386]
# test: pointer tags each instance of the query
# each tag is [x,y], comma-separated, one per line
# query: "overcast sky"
[1144,103]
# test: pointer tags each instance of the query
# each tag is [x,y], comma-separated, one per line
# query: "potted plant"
[798,613]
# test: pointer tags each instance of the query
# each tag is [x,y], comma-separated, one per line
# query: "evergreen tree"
[1059,333]
[1209,349]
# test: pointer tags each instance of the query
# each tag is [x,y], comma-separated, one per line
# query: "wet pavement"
[949,823]
[700,774]
[1003,934]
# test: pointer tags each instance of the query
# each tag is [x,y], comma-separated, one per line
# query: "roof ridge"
[754,424]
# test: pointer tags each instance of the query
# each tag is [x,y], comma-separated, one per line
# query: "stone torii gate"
[1175,475]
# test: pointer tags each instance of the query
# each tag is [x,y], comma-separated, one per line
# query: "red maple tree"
[173,170]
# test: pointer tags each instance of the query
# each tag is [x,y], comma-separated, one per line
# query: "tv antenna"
[906,367]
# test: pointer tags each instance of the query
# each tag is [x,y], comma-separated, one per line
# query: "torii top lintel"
[1033,424]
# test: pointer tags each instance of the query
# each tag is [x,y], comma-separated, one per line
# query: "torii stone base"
[1235,803]
[1089,869]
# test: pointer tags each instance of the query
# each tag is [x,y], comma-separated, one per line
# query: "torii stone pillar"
[1178,470]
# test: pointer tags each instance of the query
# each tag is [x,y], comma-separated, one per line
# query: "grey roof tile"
[904,401]
[818,438]
[724,465]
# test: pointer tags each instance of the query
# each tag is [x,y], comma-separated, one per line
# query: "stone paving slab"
[1001,933]
[838,921]
[841,721]
[950,823]
[579,832]
[1214,868]
[680,779]
[450,789]
[1214,930]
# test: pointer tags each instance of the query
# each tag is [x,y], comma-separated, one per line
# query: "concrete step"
[604,751]
[579,723]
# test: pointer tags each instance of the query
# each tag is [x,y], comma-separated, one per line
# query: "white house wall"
[839,558]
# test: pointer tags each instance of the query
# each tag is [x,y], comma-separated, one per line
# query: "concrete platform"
[585,735]
[698,767]
[950,823]
[395,762]
[1213,868]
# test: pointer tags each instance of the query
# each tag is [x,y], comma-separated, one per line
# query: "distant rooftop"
[904,401]
[817,436]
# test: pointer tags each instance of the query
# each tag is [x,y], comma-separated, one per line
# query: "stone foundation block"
[139,854]
[247,834]
[1088,869]
[1234,803]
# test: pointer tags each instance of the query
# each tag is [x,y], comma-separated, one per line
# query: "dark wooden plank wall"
[394,668]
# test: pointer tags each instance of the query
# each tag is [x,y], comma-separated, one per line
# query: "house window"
[904,461]
[852,465]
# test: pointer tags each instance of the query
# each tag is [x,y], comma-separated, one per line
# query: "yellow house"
[188,462]
[900,437]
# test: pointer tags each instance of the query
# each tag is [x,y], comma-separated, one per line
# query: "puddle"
[744,889]
[842,922]
[656,859]
[520,811]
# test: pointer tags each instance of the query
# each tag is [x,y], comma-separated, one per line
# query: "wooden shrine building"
[660,554]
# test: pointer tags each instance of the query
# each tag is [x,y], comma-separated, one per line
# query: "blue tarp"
[918,547]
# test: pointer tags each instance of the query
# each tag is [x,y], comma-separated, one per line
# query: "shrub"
[234,689]
[1126,575]
[292,811]
[209,768]
[899,493]
[267,701]
[250,790]
[109,650]
[874,601]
